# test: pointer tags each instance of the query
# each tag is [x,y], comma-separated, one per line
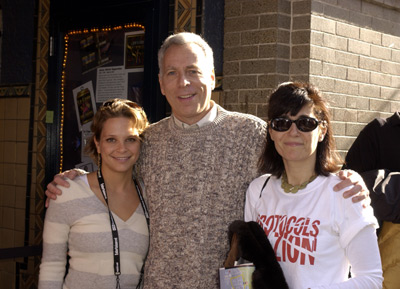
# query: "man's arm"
[52,191]
[359,192]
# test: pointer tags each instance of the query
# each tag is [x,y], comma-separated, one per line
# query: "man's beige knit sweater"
[196,181]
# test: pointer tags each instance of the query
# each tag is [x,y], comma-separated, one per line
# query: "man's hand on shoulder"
[52,191]
[359,192]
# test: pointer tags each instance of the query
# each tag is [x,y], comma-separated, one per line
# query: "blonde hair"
[111,109]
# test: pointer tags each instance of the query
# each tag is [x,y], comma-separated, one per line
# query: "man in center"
[196,166]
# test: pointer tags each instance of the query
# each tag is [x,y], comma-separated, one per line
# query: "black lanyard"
[114,230]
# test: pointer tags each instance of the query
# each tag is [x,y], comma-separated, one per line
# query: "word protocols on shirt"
[294,238]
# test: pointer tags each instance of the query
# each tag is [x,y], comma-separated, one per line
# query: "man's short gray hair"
[183,38]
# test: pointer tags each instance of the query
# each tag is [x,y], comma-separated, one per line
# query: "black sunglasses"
[304,124]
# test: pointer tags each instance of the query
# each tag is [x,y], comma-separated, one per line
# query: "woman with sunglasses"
[316,233]
[100,221]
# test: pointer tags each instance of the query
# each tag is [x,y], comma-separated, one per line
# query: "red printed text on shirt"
[295,237]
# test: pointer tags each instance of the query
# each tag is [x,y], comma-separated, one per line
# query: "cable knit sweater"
[196,181]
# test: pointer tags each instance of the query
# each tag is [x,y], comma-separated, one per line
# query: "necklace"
[288,188]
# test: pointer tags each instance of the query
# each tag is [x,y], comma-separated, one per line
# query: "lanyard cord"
[114,230]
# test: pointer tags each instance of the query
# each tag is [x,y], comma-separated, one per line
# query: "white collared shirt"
[208,118]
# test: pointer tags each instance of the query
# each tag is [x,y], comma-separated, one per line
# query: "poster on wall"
[134,50]
[85,106]
[95,51]
[101,64]
[134,63]
[112,82]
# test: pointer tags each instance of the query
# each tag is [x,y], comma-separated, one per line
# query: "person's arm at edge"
[52,191]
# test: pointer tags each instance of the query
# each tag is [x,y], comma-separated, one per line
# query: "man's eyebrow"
[170,67]
[193,66]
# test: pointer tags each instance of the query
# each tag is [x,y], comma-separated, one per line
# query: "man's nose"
[183,80]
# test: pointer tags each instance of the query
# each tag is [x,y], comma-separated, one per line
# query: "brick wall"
[256,52]
[350,49]
[354,59]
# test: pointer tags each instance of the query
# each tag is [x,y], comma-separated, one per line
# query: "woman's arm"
[366,268]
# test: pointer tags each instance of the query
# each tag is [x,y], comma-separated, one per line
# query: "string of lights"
[64,65]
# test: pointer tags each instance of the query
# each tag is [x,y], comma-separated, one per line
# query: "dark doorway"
[74,15]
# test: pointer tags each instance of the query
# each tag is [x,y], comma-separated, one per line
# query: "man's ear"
[213,80]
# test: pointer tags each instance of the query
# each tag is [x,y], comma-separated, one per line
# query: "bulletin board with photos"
[99,64]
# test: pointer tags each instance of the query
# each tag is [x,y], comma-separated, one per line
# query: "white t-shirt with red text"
[309,230]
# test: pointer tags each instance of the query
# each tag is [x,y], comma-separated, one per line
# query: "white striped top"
[77,224]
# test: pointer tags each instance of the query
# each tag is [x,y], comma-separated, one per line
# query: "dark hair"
[111,109]
[291,97]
